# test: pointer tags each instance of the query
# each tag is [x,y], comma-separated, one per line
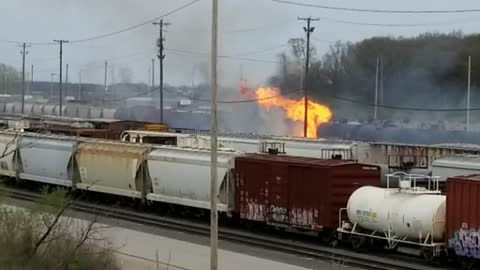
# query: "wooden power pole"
[24,53]
[213,134]
[161,57]
[60,79]
[308,30]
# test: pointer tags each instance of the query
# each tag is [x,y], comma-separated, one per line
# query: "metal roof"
[472,177]
[453,146]
[471,162]
[297,160]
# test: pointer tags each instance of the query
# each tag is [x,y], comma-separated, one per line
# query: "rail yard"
[348,194]
[212,128]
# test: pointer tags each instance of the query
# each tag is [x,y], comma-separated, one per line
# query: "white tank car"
[411,215]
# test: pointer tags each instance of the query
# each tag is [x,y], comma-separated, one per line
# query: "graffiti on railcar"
[254,211]
[303,217]
[407,156]
[277,214]
[466,242]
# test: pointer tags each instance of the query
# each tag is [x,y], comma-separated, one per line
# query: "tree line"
[10,80]
[427,71]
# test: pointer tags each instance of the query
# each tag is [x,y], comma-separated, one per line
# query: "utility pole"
[24,53]
[60,79]
[308,30]
[153,74]
[213,139]
[148,81]
[381,81]
[161,56]
[376,89]
[105,78]
[468,91]
[66,80]
[30,88]
[79,95]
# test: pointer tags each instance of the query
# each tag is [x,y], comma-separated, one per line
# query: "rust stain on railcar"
[111,165]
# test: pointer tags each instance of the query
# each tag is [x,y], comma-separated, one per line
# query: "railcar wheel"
[467,263]
[427,254]
[358,242]
[327,236]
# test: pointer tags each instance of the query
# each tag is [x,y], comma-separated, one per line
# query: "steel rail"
[341,256]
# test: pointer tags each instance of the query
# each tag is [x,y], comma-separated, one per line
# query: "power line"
[249,59]
[377,10]
[111,33]
[250,100]
[391,24]
[136,26]
[208,100]
[21,42]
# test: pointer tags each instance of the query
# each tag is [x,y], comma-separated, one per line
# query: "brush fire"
[294,109]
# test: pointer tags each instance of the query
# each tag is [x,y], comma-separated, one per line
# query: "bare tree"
[42,237]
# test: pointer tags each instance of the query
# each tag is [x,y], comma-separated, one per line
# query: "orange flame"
[294,109]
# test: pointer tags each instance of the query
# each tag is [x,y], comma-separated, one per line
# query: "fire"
[294,109]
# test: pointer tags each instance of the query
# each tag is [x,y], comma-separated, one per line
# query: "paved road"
[137,247]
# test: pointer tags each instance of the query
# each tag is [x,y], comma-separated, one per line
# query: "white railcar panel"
[71,111]
[110,167]
[46,160]
[109,113]
[182,176]
[49,109]
[83,112]
[28,109]
[244,145]
[38,109]
[456,166]
[8,146]
[18,108]
[10,108]
[95,112]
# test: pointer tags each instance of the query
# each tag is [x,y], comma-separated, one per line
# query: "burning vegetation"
[294,109]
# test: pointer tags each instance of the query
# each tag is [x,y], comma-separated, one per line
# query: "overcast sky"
[256,29]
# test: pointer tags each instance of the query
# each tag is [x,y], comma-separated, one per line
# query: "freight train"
[278,190]
[420,159]
[338,199]
[196,119]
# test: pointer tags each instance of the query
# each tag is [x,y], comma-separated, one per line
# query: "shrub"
[41,237]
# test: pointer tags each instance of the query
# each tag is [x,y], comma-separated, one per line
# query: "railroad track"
[340,256]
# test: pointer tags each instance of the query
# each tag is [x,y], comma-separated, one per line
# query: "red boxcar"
[298,192]
[463,215]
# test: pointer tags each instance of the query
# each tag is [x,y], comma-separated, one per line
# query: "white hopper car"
[158,173]
[324,149]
